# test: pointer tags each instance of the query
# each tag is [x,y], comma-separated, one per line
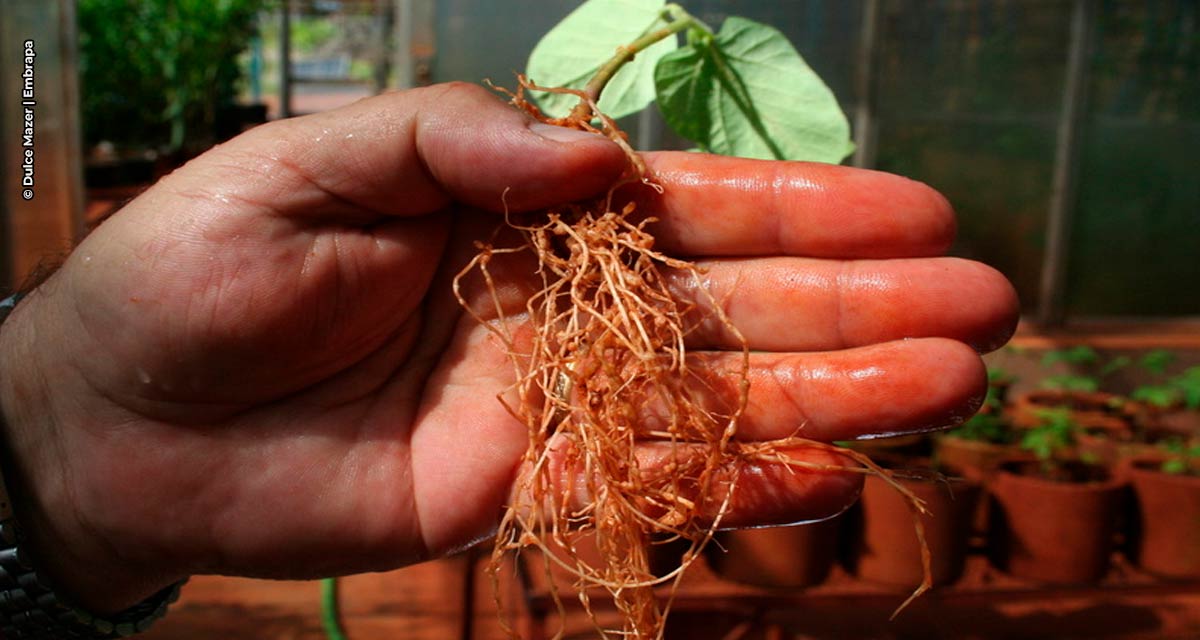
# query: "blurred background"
[1063,131]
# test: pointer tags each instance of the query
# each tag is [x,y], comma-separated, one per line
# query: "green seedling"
[1052,440]
[1182,458]
[740,90]
[1085,358]
[985,427]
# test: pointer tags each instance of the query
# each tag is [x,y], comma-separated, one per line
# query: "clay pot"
[1104,450]
[972,458]
[888,551]
[1183,423]
[1054,531]
[1093,411]
[662,555]
[910,446]
[795,556]
[1165,539]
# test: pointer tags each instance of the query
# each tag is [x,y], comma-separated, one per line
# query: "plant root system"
[602,368]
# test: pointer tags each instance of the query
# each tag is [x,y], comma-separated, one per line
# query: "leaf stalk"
[677,19]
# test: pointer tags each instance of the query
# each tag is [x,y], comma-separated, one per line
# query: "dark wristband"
[29,607]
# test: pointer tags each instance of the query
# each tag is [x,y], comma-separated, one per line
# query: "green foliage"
[1115,365]
[742,91]
[1071,382]
[1181,389]
[575,49]
[155,71]
[1188,385]
[1053,436]
[989,425]
[1157,360]
[985,427]
[1159,395]
[1078,355]
[311,32]
[998,376]
[747,92]
[1085,358]
[1181,457]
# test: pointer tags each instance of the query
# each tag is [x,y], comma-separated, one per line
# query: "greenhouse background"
[1062,131]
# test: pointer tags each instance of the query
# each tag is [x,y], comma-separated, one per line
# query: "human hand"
[257,367]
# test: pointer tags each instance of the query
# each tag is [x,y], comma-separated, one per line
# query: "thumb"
[410,153]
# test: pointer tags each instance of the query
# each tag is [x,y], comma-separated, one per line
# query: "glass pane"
[1135,248]
[968,100]
[479,39]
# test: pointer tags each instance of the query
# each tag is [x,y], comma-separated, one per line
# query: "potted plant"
[986,439]
[777,557]
[887,550]
[1165,537]
[1078,391]
[1054,519]
[977,449]
[1173,406]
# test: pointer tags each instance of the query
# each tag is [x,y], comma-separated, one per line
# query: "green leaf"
[1115,365]
[1081,354]
[747,92]
[1188,384]
[1071,382]
[1157,360]
[1156,395]
[571,53]
[1174,466]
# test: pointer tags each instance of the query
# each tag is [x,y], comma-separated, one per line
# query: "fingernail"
[561,134]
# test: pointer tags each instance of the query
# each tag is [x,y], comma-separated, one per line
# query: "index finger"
[721,206]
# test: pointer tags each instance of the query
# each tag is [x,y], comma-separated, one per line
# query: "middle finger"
[805,304]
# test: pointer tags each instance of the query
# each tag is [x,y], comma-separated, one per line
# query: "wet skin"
[257,368]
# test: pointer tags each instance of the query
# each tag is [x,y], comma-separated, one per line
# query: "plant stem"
[331,610]
[677,20]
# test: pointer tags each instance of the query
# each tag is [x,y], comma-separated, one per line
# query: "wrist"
[84,567]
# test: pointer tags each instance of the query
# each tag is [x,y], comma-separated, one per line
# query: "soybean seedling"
[606,336]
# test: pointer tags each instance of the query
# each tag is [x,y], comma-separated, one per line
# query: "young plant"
[1162,395]
[1052,440]
[607,335]
[985,427]
[999,383]
[1181,391]
[1156,361]
[154,72]
[1182,458]
[1188,386]
[989,424]
[1085,358]
[742,90]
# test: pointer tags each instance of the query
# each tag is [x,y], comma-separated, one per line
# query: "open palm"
[258,367]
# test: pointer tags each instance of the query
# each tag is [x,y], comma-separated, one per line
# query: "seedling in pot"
[1085,358]
[989,424]
[1182,458]
[1053,442]
[1161,395]
[985,427]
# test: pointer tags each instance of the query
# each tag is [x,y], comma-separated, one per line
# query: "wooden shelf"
[984,604]
[1178,333]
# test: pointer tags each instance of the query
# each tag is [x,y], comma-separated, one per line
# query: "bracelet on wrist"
[29,606]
